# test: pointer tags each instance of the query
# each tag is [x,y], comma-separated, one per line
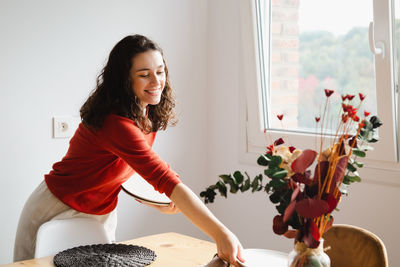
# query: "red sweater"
[89,177]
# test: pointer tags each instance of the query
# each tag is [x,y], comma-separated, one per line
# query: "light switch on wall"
[64,127]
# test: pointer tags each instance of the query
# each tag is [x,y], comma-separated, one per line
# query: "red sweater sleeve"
[122,137]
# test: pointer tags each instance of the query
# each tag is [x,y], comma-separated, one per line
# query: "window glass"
[313,45]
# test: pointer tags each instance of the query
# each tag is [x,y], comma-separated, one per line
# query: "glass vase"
[302,256]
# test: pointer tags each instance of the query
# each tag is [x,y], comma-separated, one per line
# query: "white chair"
[57,235]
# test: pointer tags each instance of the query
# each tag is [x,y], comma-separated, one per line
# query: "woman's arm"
[228,246]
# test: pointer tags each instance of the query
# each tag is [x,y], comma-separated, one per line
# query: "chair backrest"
[57,235]
[355,247]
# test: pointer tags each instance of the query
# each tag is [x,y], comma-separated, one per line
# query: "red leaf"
[311,208]
[331,200]
[296,191]
[289,211]
[321,170]
[291,233]
[308,237]
[306,158]
[303,178]
[279,226]
[340,169]
[314,230]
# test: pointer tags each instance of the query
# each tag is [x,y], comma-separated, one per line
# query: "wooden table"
[172,249]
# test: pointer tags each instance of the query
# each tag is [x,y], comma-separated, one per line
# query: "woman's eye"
[144,75]
[160,72]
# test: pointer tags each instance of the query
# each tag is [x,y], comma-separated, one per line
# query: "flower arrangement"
[307,186]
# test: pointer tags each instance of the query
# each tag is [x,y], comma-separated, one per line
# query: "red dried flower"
[328,92]
[344,118]
[279,142]
[355,118]
[317,119]
[362,96]
[361,125]
[280,117]
[270,148]
[366,113]
[350,97]
[351,110]
[344,97]
[291,149]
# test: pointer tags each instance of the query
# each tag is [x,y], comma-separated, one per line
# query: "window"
[301,47]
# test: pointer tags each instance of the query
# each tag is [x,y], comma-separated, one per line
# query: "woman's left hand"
[170,209]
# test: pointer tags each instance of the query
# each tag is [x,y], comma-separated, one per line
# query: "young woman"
[132,101]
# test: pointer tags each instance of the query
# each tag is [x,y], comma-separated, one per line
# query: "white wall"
[369,205]
[50,54]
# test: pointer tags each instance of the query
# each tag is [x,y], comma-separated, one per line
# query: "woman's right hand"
[228,245]
[229,248]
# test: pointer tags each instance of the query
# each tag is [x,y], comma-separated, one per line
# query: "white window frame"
[253,139]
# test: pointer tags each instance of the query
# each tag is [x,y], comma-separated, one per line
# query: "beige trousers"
[42,206]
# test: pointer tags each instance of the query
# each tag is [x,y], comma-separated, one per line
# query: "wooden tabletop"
[172,249]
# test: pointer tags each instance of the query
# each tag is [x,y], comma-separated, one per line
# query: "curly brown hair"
[114,94]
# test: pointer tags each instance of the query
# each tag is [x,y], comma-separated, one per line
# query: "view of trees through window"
[343,63]
[311,51]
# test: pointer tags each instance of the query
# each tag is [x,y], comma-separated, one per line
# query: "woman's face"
[148,77]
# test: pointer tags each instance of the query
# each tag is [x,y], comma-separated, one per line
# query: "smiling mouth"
[153,92]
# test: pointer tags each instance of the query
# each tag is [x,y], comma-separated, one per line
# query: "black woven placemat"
[118,255]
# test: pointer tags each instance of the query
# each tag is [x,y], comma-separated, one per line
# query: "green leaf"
[233,184]
[376,122]
[359,153]
[277,183]
[222,188]
[275,162]
[348,179]
[254,184]
[351,167]
[281,208]
[238,176]
[268,187]
[280,174]
[245,186]
[234,188]
[269,172]
[225,178]
[359,164]
[275,197]
[263,160]
[208,195]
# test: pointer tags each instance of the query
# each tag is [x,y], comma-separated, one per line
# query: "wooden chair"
[352,246]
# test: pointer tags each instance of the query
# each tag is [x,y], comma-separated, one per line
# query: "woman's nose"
[155,79]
